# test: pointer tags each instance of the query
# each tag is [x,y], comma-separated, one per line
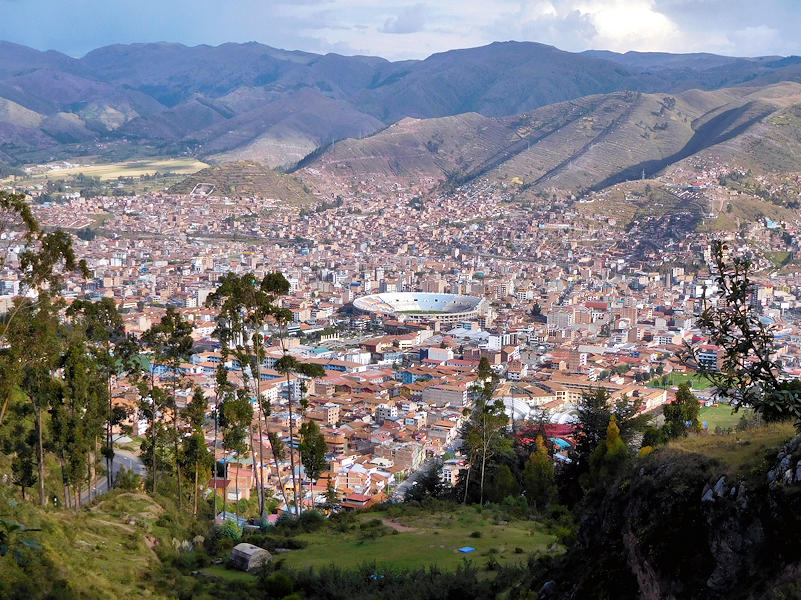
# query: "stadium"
[419,306]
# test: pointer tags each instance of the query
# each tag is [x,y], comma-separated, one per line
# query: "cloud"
[401,29]
[410,20]
[755,40]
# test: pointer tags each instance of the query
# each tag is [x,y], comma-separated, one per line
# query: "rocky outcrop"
[675,527]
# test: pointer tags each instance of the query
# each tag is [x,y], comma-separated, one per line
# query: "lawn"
[424,540]
[696,381]
[722,416]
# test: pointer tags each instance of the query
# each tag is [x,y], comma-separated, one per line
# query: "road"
[122,459]
[399,493]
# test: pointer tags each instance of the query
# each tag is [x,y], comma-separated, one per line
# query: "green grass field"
[722,416]
[425,539]
[697,382]
[740,454]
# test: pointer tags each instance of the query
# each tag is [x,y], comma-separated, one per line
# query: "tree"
[171,343]
[594,411]
[483,433]
[35,346]
[244,305]
[23,465]
[608,458]
[504,484]
[288,364]
[103,326]
[538,477]
[195,456]
[236,415]
[746,371]
[428,486]
[44,257]
[77,416]
[682,411]
[312,451]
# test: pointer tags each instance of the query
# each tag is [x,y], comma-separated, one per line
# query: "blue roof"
[466,549]
[560,442]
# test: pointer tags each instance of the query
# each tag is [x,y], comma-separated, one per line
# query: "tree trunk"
[109,438]
[40,456]
[175,432]
[236,487]
[225,491]
[214,468]
[194,507]
[89,479]
[292,446]
[153,424]
[467,482]
[260,473]
[278,474]
[481,488]
[65,481]
[253,466]
[260,477]
[3,410]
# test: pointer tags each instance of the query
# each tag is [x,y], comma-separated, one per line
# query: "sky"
[400,29]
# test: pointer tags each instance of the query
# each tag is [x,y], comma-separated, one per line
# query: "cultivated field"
[129,168]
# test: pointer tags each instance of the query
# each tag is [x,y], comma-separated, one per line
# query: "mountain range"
[253,102]
[586,143]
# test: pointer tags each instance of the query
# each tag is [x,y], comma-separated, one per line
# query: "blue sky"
[398,29]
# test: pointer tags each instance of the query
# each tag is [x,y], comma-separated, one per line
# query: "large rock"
[248,557]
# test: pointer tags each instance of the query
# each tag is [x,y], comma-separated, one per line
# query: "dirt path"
[397,526]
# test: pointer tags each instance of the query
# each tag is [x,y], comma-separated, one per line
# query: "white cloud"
[410,20]
[741,27]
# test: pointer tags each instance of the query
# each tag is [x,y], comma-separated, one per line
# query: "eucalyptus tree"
[484,430]
[103,326]
[245,304]
[195,456]
[312,450]
[77,416]
[42,258]
[289,365]
[236,417]
[171,343]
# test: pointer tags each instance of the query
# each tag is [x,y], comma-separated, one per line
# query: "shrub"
[475,534]
[310,521]
[128,480]
[278,585]
[230,530]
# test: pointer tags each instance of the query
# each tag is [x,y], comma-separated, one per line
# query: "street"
[122,459]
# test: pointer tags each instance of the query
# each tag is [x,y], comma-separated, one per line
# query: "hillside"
[588,143]
[726,524]
[250,101]
[244,178]
[104,551]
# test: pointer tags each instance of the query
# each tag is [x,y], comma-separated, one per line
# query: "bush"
[128,480]
[230,530]
[310,521]
[475,534]
[277,585]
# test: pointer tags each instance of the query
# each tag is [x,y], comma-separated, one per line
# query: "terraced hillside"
[588,143]
[243,178]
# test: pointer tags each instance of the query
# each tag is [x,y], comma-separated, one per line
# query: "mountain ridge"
[177,99]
